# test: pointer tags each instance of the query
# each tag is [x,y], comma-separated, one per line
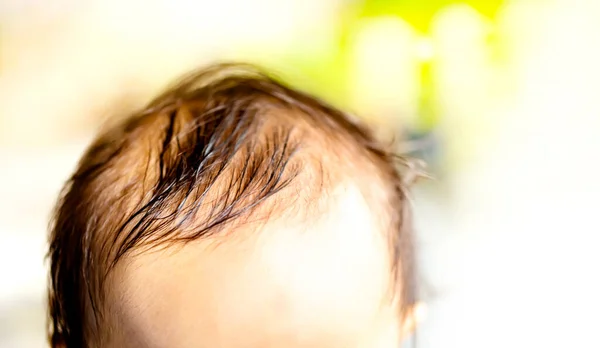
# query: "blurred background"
[499,97]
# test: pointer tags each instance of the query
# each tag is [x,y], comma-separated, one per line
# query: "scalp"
[220,150]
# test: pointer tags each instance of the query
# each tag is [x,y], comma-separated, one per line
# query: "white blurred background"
[508,233]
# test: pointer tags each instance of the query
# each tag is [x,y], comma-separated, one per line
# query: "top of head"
[260,212]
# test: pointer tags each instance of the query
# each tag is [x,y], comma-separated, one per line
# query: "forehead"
[321,282]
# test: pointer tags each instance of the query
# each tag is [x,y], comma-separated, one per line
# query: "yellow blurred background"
[499,97]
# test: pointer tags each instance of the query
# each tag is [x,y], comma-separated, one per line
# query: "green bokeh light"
[420,12]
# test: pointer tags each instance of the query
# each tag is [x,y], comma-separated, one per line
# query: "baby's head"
[232,212]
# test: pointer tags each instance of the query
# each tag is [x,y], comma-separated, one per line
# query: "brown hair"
[142,181]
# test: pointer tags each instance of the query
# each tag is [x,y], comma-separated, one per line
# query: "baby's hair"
[199,159]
